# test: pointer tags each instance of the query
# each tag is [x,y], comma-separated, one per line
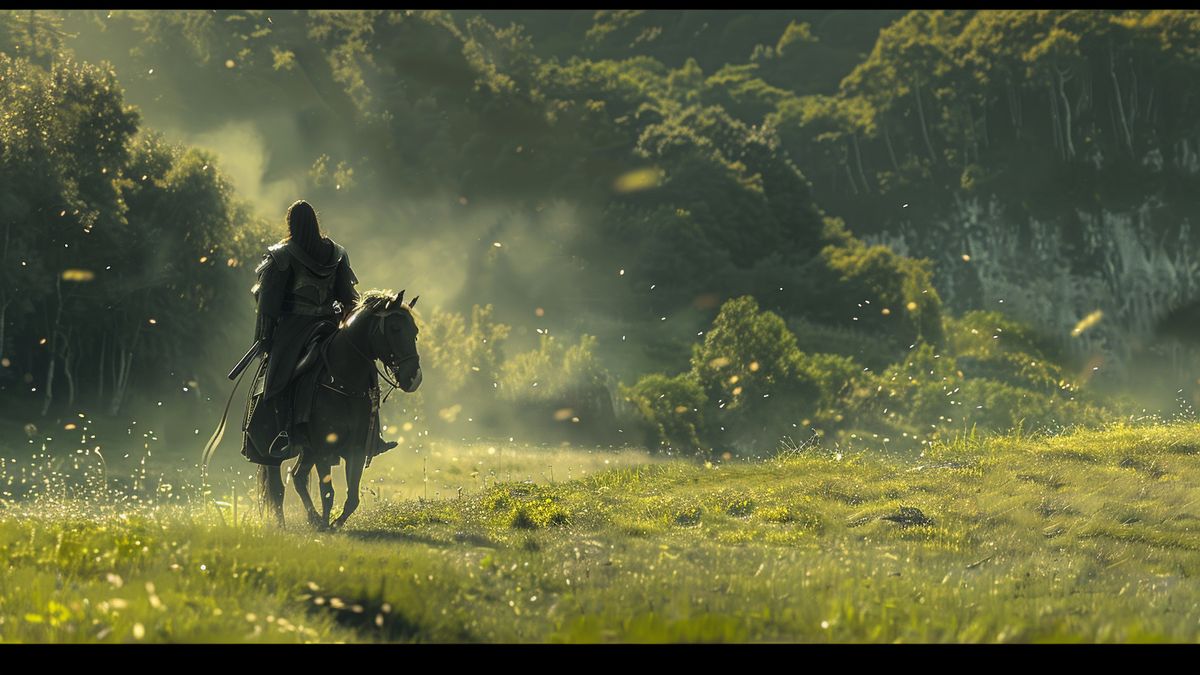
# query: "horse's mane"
[375,300]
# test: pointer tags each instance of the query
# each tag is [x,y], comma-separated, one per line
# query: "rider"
[305,288]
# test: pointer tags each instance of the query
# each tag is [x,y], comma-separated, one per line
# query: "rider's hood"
[289,249]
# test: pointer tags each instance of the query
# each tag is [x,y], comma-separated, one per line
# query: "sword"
[241,365]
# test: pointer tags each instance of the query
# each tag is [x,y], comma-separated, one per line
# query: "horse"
[380,328]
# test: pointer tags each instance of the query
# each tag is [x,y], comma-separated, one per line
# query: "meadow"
[1088,536]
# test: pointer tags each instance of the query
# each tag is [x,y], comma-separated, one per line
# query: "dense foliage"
[118,249]
[819,193]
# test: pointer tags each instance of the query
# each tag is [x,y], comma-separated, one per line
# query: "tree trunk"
[1054,117]
[850,176]
[1112,116]
[1014,108]
[121,374]
[973,130]
[49,396]
[858,160]
[1112,70]
[67,371]
[54,333]
[1150,108]
[1062,92]
[987,139]
[1133,94]
[921,115]
[887,139]
[121,381]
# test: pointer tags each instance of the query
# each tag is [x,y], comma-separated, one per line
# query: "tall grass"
[1088,536]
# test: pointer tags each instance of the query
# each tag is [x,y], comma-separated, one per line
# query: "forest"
[704,232]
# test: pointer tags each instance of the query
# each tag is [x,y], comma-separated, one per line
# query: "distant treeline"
[119,255]
[710,156]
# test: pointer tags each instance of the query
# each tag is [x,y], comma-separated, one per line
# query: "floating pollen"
[638,179]
[1087,322]
[78,275]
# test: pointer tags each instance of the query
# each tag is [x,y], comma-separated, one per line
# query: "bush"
[759,384]
[890,295]
[561,386]
[464,360]
[988,344]
[669,409]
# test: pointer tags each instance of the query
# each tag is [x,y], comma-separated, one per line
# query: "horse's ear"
[399,297]
[414,301]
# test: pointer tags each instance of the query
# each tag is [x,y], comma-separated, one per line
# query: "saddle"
[310,354]
[306,375]
[267,427]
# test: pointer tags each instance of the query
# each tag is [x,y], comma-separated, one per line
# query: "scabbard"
[241,365]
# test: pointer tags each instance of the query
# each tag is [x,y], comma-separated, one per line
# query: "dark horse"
[381,328]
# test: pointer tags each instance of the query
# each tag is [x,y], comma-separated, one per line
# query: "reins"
[219,432]
[394,364]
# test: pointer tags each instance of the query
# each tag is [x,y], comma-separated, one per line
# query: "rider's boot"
[382,446]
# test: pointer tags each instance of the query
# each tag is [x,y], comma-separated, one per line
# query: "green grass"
[1092,536]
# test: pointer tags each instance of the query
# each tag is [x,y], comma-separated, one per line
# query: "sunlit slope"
[1091,536]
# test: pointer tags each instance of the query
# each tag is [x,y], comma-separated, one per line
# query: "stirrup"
[283,449]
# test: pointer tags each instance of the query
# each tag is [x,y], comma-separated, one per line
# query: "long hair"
[304,230]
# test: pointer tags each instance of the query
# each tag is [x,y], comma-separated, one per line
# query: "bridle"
[391,362]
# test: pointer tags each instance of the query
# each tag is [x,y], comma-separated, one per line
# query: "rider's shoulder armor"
[266,263]
[279,254]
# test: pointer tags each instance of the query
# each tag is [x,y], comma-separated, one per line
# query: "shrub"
[867,280]
[669,410]
[988,344]
[757,381]
[559,385]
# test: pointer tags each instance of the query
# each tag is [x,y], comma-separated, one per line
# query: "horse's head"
[392,336]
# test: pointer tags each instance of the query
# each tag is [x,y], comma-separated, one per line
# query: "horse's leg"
[354,472]
[270,480]
[325,473]
[300,474]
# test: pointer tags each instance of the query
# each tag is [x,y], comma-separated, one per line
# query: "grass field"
[1091,536]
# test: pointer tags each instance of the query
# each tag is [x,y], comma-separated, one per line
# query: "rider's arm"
[269,291]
